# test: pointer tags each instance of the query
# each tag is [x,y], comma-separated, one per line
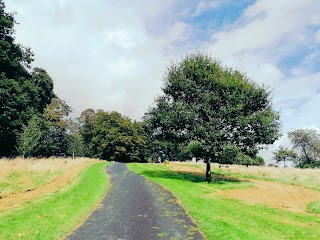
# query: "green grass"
[314,207]
[19,182]
[223,218]
[55,215]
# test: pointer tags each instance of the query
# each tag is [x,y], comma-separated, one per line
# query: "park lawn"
[225,218]
[54,215]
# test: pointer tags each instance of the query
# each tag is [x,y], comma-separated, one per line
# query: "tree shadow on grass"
[190,176]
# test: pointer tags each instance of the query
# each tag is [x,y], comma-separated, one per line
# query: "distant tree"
[284,154]
[32,140]
[259,161]
[75,145]
[216,106]
[116,138]
[86,125]
[56,115]
[111,136]
[307,144]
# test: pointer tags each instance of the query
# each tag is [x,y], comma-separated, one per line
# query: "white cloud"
[113,54]
[101,54]
[264,25]
[206,5]
[177,32]
[265,35]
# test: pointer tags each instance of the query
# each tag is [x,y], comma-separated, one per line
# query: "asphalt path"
[137,209]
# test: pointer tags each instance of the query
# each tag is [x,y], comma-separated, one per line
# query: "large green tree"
[218,107]
[23,93]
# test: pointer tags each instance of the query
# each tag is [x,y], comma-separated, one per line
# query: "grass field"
[55,213]
[20,175]
[222,217]
[309,178]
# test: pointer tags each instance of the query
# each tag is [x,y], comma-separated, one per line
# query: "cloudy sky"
[112,54]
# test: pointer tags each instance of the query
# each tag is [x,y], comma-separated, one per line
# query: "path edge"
[95,207]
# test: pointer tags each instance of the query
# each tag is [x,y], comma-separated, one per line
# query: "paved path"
[136,209]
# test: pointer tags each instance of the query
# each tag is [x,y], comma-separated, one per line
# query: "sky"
[112,54]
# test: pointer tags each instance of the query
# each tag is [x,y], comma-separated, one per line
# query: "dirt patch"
[278,195]
[182,168]
[17,199]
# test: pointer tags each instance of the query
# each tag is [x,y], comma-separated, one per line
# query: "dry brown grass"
[20,175]
[278,195]
[309,178]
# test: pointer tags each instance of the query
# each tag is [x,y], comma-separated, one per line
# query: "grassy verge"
[314,207]
[222,218]
[54,215]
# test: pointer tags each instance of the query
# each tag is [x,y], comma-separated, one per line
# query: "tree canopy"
[23,92]
[306,143]
[111,136]
[284,154]
[215,106]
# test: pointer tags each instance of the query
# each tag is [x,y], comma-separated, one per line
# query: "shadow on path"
[136,209]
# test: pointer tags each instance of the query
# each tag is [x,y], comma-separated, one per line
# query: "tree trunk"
[208,172]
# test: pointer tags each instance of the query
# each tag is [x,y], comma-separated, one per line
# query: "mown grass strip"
[222,218]
[55,215]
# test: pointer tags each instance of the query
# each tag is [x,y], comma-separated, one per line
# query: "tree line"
[206,111]
[305,150]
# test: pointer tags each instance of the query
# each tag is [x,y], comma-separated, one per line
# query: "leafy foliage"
[112,136]
[32,140]
[75,145]
[307,144]
[46,135]
[284,154]
[219,108]
[22,94]
[55,114]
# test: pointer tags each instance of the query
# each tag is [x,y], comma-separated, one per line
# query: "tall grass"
[18,175]
[309,178]
[54,215]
